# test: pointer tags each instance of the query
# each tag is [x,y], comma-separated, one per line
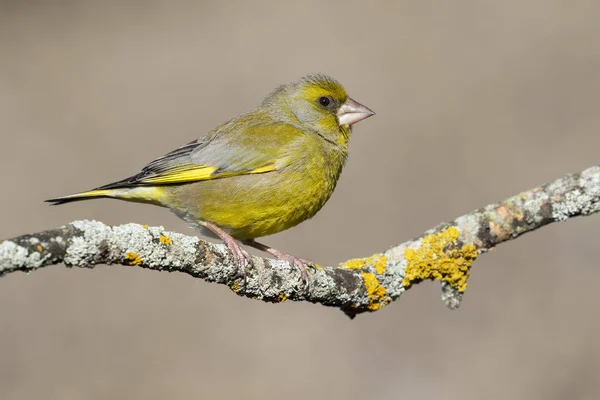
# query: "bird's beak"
[352,111]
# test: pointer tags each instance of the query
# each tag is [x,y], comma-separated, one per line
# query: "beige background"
[475,101]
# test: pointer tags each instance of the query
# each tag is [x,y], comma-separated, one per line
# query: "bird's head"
[320,104]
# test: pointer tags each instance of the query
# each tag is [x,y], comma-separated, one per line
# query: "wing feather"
[223,153]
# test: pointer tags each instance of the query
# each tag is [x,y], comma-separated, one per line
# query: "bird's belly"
[251,206]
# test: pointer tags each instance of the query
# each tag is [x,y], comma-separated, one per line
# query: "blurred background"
[475,101]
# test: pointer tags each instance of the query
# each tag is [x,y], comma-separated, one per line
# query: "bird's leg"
[299,263]
[241,257]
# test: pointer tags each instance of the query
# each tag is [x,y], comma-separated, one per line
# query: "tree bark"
[444,253]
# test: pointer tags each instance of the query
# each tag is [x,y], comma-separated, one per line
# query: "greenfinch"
[258,174]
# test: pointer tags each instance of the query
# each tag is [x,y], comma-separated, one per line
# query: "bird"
[258,174]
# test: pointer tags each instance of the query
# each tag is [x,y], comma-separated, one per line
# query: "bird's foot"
[300,263]
[241,257]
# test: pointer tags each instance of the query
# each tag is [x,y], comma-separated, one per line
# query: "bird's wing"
[225,152]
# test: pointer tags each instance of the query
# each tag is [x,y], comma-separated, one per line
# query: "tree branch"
[444,253]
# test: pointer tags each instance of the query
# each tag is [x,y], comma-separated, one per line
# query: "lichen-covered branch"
[444,253]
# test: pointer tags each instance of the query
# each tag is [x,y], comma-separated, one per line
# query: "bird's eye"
[324,101]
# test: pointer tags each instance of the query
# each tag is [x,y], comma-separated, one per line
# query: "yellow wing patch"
[266,168]
[199,173]
[181,175]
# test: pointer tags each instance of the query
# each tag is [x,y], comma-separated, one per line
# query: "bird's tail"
[138,194]
[91,194]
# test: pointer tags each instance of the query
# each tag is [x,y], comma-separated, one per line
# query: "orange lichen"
[498,230]
[235,287]
[440,258]
[40,248]
[502,219]
[378,297]
[133,258]
[164,239]
[506,211]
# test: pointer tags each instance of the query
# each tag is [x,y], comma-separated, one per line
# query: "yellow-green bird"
[258,174]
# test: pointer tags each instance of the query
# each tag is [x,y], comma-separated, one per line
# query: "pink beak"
[352,112]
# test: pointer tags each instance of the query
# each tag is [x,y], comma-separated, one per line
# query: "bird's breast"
[251,206]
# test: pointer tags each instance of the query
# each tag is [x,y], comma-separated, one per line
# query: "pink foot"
[241,258]
[299,263]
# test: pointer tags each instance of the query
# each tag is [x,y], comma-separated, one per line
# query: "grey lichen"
[173,250]
[85,251]
[581,194]
[395,271]
[577,202]
[323,284]
[533,206]
[450,296]
[13,256]
[470,225]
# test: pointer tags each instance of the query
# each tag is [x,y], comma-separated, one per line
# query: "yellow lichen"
[164,239]
[133,258]
[282,297]
[378,261]
[235,287]
[40,248]
[354,264]
[378,297]
[145,226]
[440,259]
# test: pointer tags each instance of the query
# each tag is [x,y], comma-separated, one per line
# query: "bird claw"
[242,259]
[242,262]
[301,264]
